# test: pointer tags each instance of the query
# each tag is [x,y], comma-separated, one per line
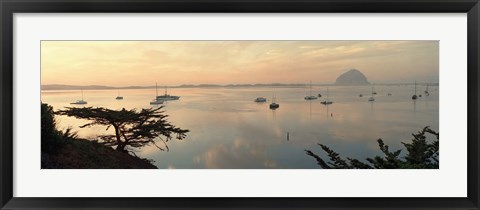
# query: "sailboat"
[260,100]
[414,97]
[156,101]
[326,102]
[274,105]
[167,97]
[118,96]
[310,97]
[426,91]
[371,97]
[80,102]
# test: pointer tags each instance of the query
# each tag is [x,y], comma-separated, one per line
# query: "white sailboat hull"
[79,102]
[156,102]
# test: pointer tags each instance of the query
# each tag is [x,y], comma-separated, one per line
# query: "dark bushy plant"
[421,154]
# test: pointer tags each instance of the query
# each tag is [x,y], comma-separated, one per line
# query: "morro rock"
[352,77]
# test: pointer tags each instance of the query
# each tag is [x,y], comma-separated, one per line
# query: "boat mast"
[327,93]
[415,87]
[156,89]
[82,94]
[310,87]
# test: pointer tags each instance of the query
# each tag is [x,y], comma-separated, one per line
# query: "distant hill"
[340,81]
[74,87]
[352,77]
[100,87]
[90,87]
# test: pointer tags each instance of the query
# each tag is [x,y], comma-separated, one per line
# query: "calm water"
[229,130]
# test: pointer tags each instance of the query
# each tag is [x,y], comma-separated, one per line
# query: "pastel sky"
[125,63]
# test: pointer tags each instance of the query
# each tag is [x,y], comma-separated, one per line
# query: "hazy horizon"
[252,84]
[174,63]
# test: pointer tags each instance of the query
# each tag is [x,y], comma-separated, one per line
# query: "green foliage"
[132,128]
[86,154]
[48,123]
[421,154]
[51,138]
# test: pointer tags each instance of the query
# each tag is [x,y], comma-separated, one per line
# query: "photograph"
[240,104]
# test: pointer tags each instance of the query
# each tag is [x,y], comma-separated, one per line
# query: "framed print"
[251,105]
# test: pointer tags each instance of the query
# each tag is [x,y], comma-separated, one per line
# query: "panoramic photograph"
[240,104]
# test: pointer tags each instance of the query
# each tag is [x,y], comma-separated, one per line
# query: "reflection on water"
[229,130]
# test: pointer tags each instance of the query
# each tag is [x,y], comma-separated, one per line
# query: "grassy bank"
[85,154]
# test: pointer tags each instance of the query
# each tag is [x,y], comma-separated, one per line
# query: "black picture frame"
[9,7]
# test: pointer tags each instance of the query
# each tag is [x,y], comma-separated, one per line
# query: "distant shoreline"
[101,87]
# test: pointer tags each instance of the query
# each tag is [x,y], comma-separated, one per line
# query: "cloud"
[239,155]
[227,62]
